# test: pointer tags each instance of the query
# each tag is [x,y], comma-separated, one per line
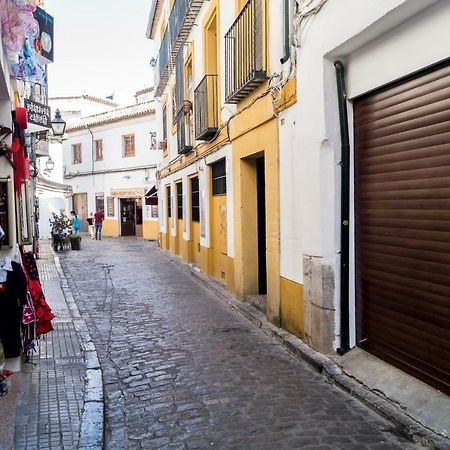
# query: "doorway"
[127,217]
[80,206]
[261,225]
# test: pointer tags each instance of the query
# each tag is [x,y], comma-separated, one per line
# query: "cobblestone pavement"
[184,371]
[49,408]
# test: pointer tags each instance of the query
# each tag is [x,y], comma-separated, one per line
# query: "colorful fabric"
[17,22]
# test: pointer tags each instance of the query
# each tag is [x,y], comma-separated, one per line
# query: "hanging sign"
[38,113]
[43,44]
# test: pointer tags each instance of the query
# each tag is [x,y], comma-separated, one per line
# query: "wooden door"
[127,217]
[80,206]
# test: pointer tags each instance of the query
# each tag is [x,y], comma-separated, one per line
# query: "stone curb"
[324,365]
[92,420]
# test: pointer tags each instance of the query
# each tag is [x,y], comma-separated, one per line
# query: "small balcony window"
[99,150]
[128,145]
[206,108]
[76,154]
[245,52]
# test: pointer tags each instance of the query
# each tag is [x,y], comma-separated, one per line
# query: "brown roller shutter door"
[402,211]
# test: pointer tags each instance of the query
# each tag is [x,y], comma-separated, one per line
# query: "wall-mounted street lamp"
[49,165]
[58,124]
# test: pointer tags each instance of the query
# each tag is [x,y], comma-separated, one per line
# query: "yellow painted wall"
[164,241]
[218,220]
[256,139]
[110,228]
[292,307]
[151,229]
[179,237]
[194,244]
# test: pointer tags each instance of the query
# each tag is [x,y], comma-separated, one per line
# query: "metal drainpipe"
[287,50]
[345,207]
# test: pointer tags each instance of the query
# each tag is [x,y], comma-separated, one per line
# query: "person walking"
[75,223]
[90,221]
[98,217]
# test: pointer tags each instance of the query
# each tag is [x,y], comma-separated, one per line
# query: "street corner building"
[25,122]
[303,164]
[110,163]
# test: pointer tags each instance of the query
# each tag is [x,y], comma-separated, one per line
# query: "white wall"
[378,42]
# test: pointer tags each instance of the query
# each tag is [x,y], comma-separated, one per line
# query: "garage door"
[402,212]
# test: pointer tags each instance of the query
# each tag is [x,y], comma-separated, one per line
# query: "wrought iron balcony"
[245,58]
[206,108]
[181,21]
[184,131]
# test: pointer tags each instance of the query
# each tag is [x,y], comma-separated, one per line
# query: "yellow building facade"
[223,90]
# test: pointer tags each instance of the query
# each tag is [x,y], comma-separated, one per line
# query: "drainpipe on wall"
[287,49]
[345,207]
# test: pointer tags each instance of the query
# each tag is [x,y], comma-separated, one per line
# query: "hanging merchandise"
[13,297]
[17,22]
[42,310]
[17,153]
[25,65]
[4,374]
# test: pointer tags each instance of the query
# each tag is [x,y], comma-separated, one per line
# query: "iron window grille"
[180,200]
[245,66]
[195,200]
[219,178]
[184,132]
[206,108]
[169,202]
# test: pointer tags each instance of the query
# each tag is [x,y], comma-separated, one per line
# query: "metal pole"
[345,207]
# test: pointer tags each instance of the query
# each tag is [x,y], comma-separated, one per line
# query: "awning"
[151,197]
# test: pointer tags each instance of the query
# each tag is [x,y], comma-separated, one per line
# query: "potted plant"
[60,229]
[75,240]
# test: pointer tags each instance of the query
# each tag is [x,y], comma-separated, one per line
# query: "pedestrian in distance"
[98,217]
[75,223]
[91,226]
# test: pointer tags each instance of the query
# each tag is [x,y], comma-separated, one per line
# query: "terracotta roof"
[116,115]
[155,14]
[144,91]
[92,98]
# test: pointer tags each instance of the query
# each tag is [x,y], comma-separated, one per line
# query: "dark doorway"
[127,217]
[261,208]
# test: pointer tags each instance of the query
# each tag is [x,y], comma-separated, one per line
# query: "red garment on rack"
[21,163]
[44,314]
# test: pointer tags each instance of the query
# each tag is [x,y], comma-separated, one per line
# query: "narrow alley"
[182,370]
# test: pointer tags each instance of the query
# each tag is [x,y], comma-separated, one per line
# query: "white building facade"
[386,193]
[109,159]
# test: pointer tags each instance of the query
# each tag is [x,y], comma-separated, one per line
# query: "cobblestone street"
[182,370]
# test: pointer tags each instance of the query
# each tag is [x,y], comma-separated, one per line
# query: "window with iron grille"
[99,150]
[169,203]
[219,178]
[180,200]
[76,154]
[164,118]
[128,145]
[195,200]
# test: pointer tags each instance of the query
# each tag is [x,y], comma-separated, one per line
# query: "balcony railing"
[206,108]
[245,66]
[181,21]
[184,131]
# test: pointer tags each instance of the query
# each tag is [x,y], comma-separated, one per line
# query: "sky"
[100,48]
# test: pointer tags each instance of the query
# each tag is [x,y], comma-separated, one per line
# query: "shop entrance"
[127,217]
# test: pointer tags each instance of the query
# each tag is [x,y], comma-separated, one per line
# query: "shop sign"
[127,193]
[43,43]
[110,206]
[38,114]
